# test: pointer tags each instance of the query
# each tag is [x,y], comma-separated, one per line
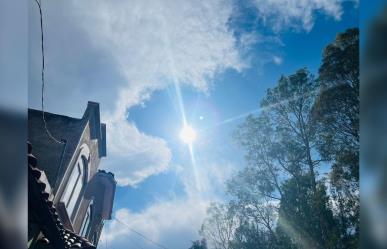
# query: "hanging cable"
[141,235]
[135,243]
[43,83]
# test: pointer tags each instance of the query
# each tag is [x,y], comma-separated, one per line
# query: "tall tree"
[301,183]
[336,114]
[281,140]
[281,146]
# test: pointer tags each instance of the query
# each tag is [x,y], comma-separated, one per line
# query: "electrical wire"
[43,67]
[137,244]
[141,235]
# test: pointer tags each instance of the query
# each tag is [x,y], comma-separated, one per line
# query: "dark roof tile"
[51,225]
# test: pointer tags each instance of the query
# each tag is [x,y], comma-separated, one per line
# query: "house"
[69,197]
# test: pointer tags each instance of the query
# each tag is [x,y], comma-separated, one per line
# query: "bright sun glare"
[187,134]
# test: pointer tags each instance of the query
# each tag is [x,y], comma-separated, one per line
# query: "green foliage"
[305,216]
[199,244]
[340,63]
[336,114]
[248,236]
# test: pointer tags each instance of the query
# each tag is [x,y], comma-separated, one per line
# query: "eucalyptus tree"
[299,188]
[283,170]
[336,114]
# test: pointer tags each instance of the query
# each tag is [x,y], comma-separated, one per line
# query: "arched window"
[76,182]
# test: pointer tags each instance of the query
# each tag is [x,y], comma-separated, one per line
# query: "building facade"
[69,197]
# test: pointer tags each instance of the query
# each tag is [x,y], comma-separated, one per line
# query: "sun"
[188,134]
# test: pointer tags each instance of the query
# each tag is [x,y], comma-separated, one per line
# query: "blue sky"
[137,57]
[233,94]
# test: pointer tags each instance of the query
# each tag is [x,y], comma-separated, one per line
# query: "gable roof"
[54,157]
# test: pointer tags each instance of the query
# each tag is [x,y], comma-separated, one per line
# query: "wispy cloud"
[282,15]
[277,60]
[171,222]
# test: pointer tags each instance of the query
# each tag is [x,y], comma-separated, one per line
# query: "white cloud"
[155,44]
[133,155]
[171,223]
[119,52]
[299,14]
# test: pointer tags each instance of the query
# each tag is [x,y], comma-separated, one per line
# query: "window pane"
[69,188]
[76,191]
[86,222]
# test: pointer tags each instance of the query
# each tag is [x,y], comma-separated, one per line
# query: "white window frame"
[86,220]
[76,182]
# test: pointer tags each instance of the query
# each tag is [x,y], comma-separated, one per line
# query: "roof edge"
[98,129]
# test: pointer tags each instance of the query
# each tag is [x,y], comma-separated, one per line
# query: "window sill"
[61,209]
